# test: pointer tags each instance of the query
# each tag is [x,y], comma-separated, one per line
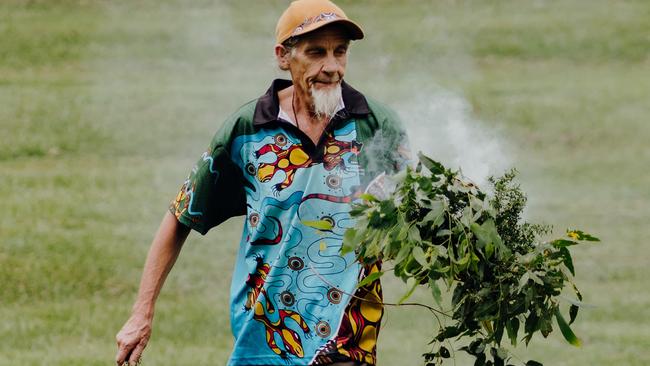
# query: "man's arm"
[165,248]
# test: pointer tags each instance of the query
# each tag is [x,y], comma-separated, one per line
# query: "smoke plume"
[442,126]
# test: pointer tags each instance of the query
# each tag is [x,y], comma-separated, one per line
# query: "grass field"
[104,107]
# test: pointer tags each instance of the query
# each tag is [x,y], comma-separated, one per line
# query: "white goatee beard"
[326,101]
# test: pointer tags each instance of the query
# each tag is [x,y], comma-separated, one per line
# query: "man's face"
[317,63]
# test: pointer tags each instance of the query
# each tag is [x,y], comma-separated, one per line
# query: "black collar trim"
[268,105]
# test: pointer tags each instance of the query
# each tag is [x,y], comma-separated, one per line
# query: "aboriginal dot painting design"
[288,290]
[357,336]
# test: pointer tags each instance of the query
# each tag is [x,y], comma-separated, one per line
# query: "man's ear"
[283,55]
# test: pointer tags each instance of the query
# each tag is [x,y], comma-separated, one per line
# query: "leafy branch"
[438,228]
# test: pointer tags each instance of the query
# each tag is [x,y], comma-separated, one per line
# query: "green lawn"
[104,106]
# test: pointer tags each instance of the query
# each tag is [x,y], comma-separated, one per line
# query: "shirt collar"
[268,105]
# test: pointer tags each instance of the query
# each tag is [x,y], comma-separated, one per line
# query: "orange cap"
[304,16]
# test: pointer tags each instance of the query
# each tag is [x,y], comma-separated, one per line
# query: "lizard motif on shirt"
[256,281]
[287,160]
[264,311]
[290,338]
[334,150]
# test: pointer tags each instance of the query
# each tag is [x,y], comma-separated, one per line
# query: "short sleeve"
[388,149]
[398,141]
[213,192]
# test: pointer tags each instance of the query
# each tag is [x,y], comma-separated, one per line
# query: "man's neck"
[300,105]
[300,112]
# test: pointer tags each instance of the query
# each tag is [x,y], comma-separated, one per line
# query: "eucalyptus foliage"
[440,230]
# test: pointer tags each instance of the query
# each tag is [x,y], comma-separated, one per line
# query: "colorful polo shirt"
[290,293]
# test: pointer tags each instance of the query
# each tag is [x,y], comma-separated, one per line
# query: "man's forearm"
[162,255]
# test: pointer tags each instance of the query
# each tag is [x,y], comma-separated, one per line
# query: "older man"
[292,161]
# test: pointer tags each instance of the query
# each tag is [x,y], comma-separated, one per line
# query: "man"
[293,161]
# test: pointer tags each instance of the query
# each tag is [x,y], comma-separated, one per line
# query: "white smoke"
[442,126]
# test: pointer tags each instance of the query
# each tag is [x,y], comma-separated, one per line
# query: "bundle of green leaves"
[440,230]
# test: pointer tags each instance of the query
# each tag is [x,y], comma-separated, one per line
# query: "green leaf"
[435,214]
[476,347]
[444,269]
[530,293]
[348,241]
[545,326]
[481,235]
[444,352]
[447,332]
[561,243]
[372,248]
[532,323]
[463,261]
[578,294]
[523,280]
[403,233]
[368,197]
[527,258]
[486,233]
[349,235]
[403,253]
[491,229]
[418,254]
[478,204]
[566,258]
[498,331]
[414,234]
[370,278]
[566,329]
[433,166]
[533,363]
[413,284]
[438,221]
[489,250]
[535,278]
[466,217]
[573,313]
[435,291]
[391,248]
[512,328]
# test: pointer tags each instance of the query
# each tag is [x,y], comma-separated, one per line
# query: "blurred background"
[106,105]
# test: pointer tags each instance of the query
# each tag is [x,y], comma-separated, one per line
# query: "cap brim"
[354,31]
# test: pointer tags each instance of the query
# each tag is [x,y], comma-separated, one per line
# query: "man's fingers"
[137,353]
[123,354]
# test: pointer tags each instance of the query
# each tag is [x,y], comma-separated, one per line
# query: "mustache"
[327,81]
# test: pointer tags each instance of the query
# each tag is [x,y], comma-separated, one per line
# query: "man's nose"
[330,65]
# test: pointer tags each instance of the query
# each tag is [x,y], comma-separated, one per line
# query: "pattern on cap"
[322,17]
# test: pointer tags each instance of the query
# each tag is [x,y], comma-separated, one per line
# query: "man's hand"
[132,339]
[166,247]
